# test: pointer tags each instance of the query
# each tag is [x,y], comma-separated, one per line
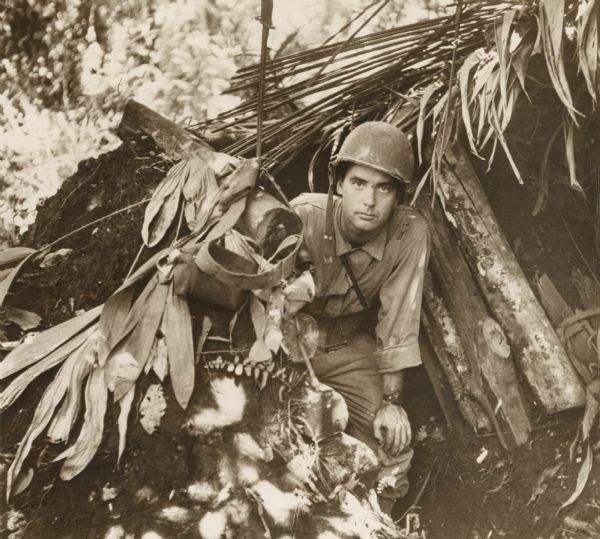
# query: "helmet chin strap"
[329,226]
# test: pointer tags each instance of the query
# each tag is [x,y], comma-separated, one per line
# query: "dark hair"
[342,169]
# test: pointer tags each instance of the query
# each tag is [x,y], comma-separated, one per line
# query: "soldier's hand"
[392,428]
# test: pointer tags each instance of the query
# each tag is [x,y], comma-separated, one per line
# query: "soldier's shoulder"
[316,201]
[407,218]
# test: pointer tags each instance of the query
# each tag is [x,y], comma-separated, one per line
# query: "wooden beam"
[174,140]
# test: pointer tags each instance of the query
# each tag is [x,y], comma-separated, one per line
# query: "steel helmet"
[381,146]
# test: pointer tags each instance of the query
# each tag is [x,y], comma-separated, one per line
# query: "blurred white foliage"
[175,56]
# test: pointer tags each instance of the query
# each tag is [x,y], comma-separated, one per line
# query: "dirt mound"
[461,487]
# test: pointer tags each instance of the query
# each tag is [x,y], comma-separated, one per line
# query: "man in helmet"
[368,255]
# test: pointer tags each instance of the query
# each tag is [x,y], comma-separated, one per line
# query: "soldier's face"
[368,199]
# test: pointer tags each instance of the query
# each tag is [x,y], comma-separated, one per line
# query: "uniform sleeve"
[397,329]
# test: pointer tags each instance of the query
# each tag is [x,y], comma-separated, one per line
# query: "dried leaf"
[152,408]
[180,347]
[113,316]
[26,320]
[259,353]
[7,282]
[543,193]
[199,192]
[125,406]
[301,289]
[238,183]
[205,330]
[161,363]
[24,481]
[79,455]
[20,383]
[122,370]
[582,476]
[52,258]
[65,418]
[551,20]
[258,313]
[463,79]
[592,407]
[162,208]
[13,255]
[41,417]
[569,128]
[587,45]
[520,60]
[502,48]
[46,342]
[427,93]
[140,341]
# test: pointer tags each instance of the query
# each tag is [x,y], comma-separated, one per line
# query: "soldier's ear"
[338,186]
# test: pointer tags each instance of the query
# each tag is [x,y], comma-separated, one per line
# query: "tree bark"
[485,344]
[534,343]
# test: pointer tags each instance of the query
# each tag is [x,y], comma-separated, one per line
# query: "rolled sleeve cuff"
[397,358]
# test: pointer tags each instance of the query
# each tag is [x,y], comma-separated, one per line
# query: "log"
[174,140]
[450,352]
[441,387]
[485,344]
[535,345]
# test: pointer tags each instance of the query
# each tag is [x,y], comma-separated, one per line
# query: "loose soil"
[462,487]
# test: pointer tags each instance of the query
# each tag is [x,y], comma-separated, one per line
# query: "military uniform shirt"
[390,266]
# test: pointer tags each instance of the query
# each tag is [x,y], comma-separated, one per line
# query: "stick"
[314,382]
[266,12]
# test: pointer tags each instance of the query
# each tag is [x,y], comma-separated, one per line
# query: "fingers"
[377,431]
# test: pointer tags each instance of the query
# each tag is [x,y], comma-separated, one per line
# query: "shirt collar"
[374,247]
